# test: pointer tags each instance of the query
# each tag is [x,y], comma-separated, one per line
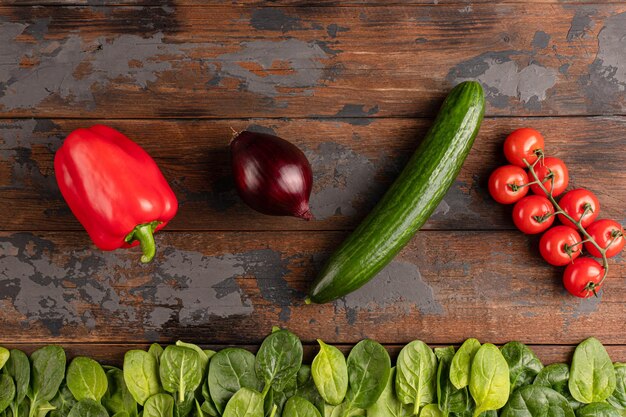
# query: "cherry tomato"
[577,202]
[582,277]
[557,245]
[533,214]
[523,144]
[605,231]
[556,170]
[503,184]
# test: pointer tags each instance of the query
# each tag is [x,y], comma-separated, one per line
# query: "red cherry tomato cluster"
[577,210]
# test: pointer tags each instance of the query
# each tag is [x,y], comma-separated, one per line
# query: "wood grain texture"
[113,354]
[533,59]
[233,287]
[289,3]
[353,161]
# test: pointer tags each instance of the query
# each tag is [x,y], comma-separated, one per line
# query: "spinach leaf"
[156,350]
[369,366]
[4,356]
[86,379]
[121,414]
[63,402]
[245,403]
[330,373]
[431,410]
[556,376]
[489,379]
[159,405]
[185,407]
[537,401]
[88,408]
[598,410]
[416,375]
[47,373]
[450,399]
[202,355]
[387,404]
[141,374]
[343,410]
[117,397]
[299,407]
[592,376]
[524,365]
[305,388]
[18,368]
[209,409]
[618,397]
[278,359]
[279,398]
[231,369]
[180,371]
[462,363]
[7,391]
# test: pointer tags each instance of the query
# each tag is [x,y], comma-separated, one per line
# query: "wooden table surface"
[355,84]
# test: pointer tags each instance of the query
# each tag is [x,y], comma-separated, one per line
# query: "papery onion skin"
[271,174]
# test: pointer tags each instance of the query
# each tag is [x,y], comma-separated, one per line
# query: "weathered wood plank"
[565,59]
[354,161]
[290,3]
[233,287]
[113,354]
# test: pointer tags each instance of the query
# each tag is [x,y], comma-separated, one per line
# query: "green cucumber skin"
[410,200]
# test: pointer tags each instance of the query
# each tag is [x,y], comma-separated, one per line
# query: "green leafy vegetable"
[4,356]
[86,379]
[592,376]
[118,398]
[245,403]
[141,374]
[279,398]
[156,350]
[231,369]
[159,405]
[88,408]
[618,398]
[556,376]
[299,407]
[18,368]
[416,375]
[598,410]
[305,388]
[180,371]
[524,365]
[450,399]
[535,400]
[330,373]
[431,410]
[7,391]
[47,373]
[489,379]
[278,359]
[462,363]
[202,355]
[387,404]
[369,366]
[63,402]
[185,407]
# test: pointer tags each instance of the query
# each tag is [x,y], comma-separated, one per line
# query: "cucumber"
[410,200]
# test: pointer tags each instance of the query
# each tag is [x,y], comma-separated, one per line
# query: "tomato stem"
[578,223]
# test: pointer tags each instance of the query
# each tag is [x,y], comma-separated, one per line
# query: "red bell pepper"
[114,189]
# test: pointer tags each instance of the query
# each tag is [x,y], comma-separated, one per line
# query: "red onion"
[271,175]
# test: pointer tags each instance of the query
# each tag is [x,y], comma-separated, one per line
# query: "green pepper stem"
[144,233]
